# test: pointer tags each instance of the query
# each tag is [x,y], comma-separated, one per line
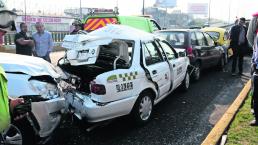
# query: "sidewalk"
[240,132]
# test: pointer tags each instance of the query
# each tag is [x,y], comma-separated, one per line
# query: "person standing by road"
[77,27]
[6,103]
[43,42]
[252,36]
[239,45]
[23,43]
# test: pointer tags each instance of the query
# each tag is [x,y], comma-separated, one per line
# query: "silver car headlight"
[46,90]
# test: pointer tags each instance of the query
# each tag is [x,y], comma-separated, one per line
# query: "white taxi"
[118,70]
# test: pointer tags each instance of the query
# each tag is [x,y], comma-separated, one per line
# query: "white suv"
[118,70]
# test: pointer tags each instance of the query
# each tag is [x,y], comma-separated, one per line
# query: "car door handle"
[154,72]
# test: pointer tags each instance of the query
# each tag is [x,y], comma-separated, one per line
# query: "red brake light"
[97,88]
[189,51]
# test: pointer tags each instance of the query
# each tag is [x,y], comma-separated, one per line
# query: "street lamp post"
[229,11]
[25,10]
[143,7]
[81,9]
[209,12]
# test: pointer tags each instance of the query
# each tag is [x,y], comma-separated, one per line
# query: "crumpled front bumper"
[48,114]
[84,107]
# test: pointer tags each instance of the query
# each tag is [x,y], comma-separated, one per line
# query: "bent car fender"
[48,115]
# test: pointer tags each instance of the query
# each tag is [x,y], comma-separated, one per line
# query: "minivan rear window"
[95,23]
[176,39]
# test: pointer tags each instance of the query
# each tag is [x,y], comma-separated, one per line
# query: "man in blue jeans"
[43,42]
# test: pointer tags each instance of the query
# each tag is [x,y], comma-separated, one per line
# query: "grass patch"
[240,132]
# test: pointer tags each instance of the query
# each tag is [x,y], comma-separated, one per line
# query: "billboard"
[198,8]
[165,3]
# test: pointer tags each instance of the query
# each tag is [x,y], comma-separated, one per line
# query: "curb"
[215,134]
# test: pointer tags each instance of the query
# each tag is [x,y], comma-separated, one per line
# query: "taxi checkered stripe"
[128,76]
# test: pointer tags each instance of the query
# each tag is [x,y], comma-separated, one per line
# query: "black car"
[200,47]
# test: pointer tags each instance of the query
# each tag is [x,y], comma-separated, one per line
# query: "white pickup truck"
[118,70]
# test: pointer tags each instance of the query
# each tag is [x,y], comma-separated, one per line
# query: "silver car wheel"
[145,108]
[187,81]
[197,73]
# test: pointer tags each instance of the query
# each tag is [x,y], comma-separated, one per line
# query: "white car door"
[176,63]
[157,67]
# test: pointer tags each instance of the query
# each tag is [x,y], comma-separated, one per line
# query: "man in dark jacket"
[23,43]
[239,44]
[78,26]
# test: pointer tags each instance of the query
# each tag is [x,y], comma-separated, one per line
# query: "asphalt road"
[182,118]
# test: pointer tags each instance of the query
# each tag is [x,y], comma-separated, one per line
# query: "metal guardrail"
[57,37]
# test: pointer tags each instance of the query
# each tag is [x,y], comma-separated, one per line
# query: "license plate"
[83,54]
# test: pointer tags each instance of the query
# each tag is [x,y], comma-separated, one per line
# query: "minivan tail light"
[189,51]
[97,88]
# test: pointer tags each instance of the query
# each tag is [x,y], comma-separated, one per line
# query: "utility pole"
[209,13]
[229,11]
[81,9]
[143,7]
[25,10]
[165,16]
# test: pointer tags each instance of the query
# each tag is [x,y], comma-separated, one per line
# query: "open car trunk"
[86,74]
[88,63]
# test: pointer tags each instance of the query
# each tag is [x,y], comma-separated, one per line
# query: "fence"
[57,37]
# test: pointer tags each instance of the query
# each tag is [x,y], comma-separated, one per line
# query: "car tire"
[186,82]
[197,71]
[142,110]
[11,136]
[221,64]
[28,134]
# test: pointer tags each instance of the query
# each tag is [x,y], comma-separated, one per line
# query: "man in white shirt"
[43,42]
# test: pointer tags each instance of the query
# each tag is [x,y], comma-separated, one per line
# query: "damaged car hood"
[33,66]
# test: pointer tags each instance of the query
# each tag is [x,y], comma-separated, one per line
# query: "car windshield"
[176,39]
[214,35]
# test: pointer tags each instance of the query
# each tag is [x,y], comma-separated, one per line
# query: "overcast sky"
[219,8]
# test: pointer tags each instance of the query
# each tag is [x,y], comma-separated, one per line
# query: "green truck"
[96,21]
